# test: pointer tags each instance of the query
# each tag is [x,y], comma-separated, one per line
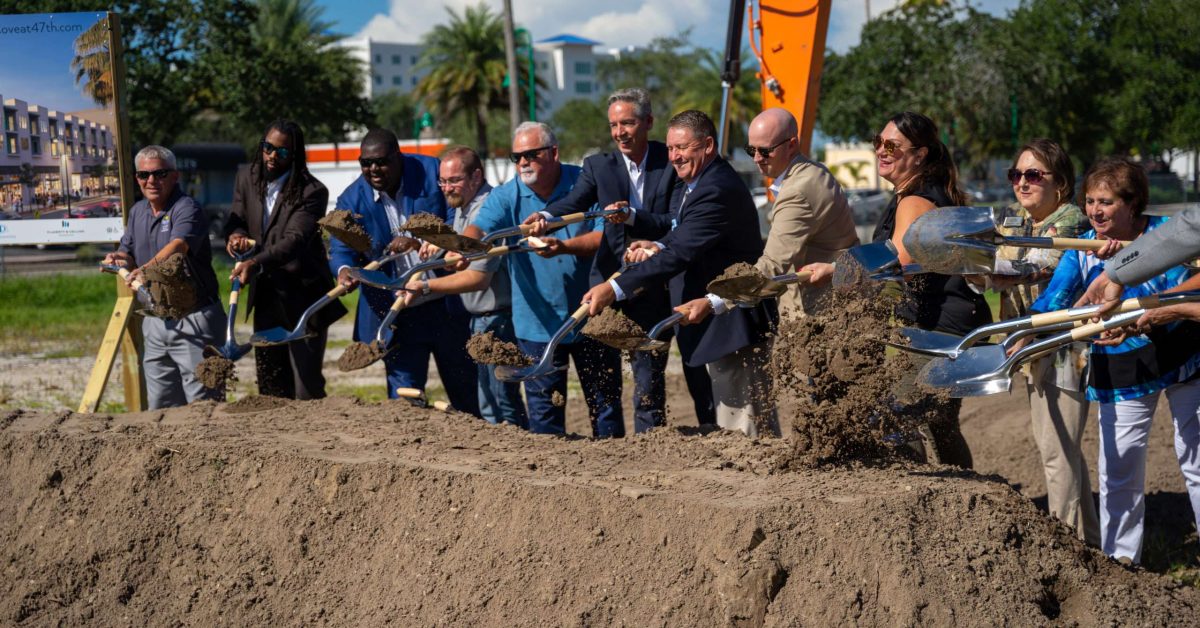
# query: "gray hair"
[155,152]
[638,97]
[696,121]
[543,129]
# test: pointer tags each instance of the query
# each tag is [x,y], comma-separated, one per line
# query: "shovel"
[450,241]
[750,289]
[381,280]
[280,336]
[139,288]
[963,241]
[231,350]
[986,370]
[416,393]
[552,224]
[951,346]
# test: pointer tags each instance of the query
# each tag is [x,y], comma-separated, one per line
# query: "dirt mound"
[423,223]
[171,287]
[615,330]
[340,224]
[255,403]
[216,372]
[345,514]
[486,348]
[359,355]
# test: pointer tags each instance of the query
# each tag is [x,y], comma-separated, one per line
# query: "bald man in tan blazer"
[811,220]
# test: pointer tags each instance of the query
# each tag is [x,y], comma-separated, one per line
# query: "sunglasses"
[160,174]
[765,152]
[272,149]
[890,147]
[1032,175]
[367,162]
[528,155]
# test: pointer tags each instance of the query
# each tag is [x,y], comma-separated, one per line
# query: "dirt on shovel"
[340,224]
[740,281]
[216,372]
[360,355]
[424,223]
[615,330]
[171,287]
[486,348]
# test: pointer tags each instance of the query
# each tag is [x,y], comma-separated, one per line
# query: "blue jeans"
[499,402]
[649,389]
[433,329]
[599,369]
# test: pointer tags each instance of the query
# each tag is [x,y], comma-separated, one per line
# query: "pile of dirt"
[614,329]
[255,403]
[423,223]
[832,373]
[171,287]
[340,224]
[360,355]
[216,372]
[739,282]
[486,348]
[312,513]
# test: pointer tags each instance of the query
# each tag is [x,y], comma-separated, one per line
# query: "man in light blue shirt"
[547,289]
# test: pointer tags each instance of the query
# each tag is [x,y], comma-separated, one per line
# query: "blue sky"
[615,23]
[42,76]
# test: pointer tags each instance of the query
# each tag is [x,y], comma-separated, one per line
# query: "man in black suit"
[712,225]
[638,176]
[277,202]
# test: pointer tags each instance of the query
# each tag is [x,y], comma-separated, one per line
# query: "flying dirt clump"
[171,287]
[215,372]
[424,223]
[359,355]
[340,224]
[615,330]
[832,374]
[486,348]
[740,281]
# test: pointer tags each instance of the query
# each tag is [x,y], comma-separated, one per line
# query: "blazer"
[1157,251]
[291,255]
[419,192]
[713,227]
[811,221]
[604,181]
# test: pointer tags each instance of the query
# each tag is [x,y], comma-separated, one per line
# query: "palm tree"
[703,91]
[465,59]
[91,63]
[291,23]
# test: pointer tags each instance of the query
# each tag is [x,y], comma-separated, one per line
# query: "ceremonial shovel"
[378,279]
[139,288]
[231,350]
[279,335]
[963,241]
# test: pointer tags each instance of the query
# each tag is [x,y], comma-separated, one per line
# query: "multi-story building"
[48,143]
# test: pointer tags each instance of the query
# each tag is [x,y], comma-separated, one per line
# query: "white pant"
[741,387]
[1124,430]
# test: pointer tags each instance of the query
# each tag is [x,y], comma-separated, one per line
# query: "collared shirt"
[273,189]
[637,179]
[147,234]
[498,294]
[544,291]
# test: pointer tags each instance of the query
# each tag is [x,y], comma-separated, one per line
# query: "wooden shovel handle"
[401,301]
[410,393]
[124,274]
[569,219]
[1128,305]
[1079,244]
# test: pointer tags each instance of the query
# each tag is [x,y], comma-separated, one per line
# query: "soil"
[740,281]
[359,355]
[171,287]
[423,223]
[340,224]
[255,403]
[341,513]
[615,330]
[486,348]
[557,400]
[215,372]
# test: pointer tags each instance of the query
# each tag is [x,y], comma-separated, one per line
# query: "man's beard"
[529,177]
[455,200]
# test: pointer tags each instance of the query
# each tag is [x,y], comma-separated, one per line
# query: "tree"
[702,91]
[395,111]
[91,63]
[582,128]
[662,68]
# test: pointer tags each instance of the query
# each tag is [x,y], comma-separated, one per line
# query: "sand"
[486,348]
[171,287]
[739,282]
[423,223]
[340,224]
[360,355]
[615,330]
[216,372]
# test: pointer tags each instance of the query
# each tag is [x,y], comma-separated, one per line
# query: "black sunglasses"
[367,162]
[529,155]
[1032,175]
[765,152]
[160,174]
[272,149]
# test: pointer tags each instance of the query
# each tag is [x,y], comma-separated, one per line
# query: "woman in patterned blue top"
[1126,378]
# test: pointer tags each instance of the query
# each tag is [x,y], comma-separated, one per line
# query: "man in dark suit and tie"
[638,176]
[714,225]
[277,203]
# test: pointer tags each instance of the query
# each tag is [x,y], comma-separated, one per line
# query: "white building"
[51,142]
[565,63]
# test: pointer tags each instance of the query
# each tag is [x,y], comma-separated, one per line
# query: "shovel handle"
[1091,329]
[1079,244]
[581,313]
[562,221]
[1128,305]
[401,301]
[410,393]
[124,274]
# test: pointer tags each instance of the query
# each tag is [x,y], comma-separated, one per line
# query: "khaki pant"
[1058,419]
[742,391]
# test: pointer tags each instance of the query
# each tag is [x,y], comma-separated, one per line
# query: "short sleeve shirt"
[184,219]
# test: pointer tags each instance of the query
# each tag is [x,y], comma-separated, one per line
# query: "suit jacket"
[1157,251]
[715,226]
[604,181]
[291,256]
[419,192]
[811,221]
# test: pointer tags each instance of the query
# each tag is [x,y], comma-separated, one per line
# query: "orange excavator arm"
[788,38]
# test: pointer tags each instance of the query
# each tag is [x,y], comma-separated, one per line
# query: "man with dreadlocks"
[277,203]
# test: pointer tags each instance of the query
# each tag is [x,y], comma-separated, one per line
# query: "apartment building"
[51,143]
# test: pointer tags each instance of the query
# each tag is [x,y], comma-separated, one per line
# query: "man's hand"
[620,218]
[1102,292]
[695,311]
[598,298]
[1018,345]
[537,224]
[1166,314]
[821,273]
[1114,337]
[428,250]
[118,258]
[237,243]
[640,251]
[457,262]
[243,271]
[344,279]
[1111,247]
[402,244]
[135,275]
[553,247]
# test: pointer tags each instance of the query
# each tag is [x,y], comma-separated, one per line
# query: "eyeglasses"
[160,174]
[890,147]
[528,155]
[367,162]
[272,149]
[450,181]
[1032,175]
[765,152]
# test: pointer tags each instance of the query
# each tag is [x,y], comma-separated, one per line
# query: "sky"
[45,48]
[614,23]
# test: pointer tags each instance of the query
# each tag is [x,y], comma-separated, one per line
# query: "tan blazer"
[810,222]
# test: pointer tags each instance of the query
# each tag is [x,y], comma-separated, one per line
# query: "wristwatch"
[424,287]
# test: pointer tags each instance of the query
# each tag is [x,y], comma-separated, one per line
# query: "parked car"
[83,212]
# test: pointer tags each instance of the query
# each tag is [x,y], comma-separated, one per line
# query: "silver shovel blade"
[875,256]
[276,336]
[978,361]
[954,240]
[981,387]
[375,279]
[928,342]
